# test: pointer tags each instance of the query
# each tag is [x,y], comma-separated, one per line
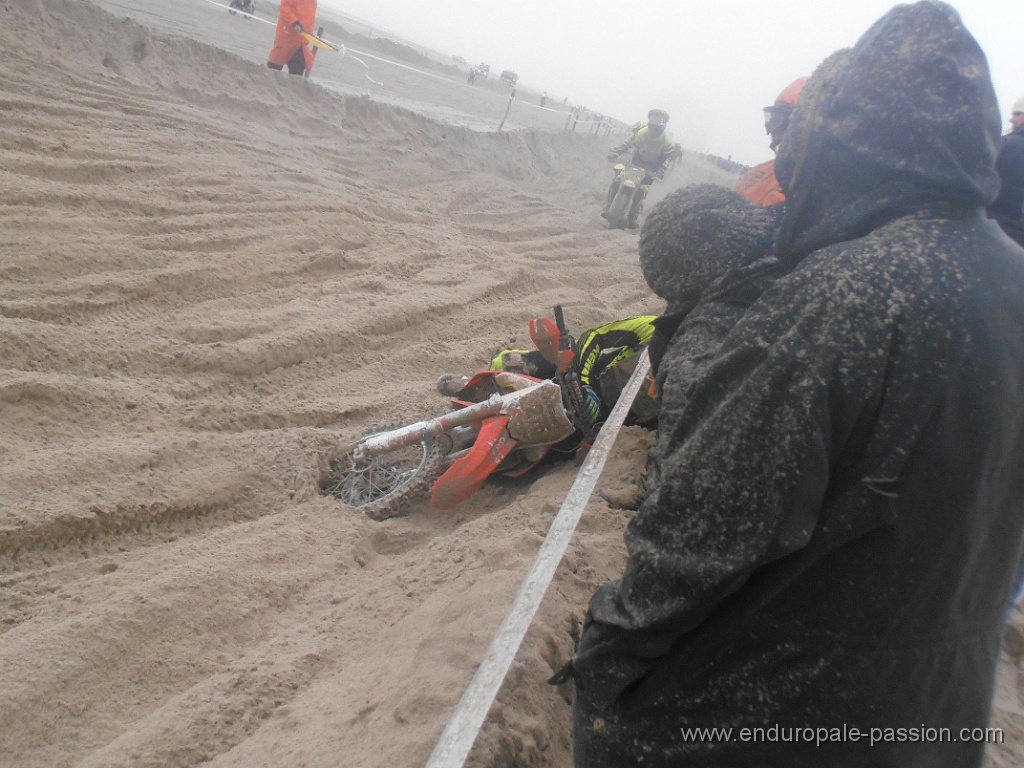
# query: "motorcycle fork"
[463,438]
[383,442]
[612,190]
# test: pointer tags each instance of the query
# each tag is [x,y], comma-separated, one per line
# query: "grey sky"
[712,64]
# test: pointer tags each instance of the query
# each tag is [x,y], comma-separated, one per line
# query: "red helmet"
[776,117]
[791,92]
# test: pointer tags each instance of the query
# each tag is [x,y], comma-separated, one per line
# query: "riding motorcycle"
[501,422]
[624,195]
[245,6]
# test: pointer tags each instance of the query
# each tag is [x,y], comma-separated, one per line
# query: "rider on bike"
[653,150]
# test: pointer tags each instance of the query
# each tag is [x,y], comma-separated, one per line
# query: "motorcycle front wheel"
[383,486]
[618,211]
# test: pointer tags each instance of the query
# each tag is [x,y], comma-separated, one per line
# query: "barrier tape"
[462,729]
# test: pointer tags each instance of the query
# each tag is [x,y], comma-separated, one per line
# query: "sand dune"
[210,272]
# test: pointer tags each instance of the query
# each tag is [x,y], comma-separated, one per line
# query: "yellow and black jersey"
[602,347]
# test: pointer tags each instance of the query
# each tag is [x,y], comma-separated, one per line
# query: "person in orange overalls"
[290,47]
[759,184]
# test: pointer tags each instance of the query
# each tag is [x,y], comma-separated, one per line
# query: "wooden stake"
[319,33]
[507,108]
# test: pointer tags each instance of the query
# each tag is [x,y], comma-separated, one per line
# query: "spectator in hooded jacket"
[697,247]
[705,250]
[759,184]
[290,47]
[1008,208]
[837,527]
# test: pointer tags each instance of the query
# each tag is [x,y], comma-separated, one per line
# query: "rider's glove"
[590,408]
[660,173]
[613,156]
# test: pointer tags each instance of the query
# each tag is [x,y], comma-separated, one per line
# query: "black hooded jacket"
[841,503]
[1008,208]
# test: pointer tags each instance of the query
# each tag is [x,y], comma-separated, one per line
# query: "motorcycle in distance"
[501,422]
[624,194]
[247,7]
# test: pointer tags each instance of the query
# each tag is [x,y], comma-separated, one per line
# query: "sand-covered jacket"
[840,508]
[700,250]
[1008,208]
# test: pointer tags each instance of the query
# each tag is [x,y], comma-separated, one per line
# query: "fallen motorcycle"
[624,195]
[501,422]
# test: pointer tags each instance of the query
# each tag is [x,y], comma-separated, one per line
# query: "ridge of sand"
[210,271]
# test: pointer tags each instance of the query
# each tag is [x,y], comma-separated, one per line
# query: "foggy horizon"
[712,68]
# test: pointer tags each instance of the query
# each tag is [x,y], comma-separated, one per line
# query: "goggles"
[776,117]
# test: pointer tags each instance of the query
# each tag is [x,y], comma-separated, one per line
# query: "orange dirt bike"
[501,422]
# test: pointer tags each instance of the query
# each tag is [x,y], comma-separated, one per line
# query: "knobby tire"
[618,211]
[384,486]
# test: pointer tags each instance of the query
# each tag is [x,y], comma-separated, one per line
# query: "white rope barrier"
[462,729]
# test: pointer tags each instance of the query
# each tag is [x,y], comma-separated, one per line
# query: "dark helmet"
[656,120]
[657,117]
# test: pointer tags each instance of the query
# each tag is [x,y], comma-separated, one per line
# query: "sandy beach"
[210,273]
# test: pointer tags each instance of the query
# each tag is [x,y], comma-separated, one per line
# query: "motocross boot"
[450,384]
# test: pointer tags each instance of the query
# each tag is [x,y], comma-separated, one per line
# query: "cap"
[1018,105]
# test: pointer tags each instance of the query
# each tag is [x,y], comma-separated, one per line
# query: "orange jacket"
[286,40]
[760,186]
